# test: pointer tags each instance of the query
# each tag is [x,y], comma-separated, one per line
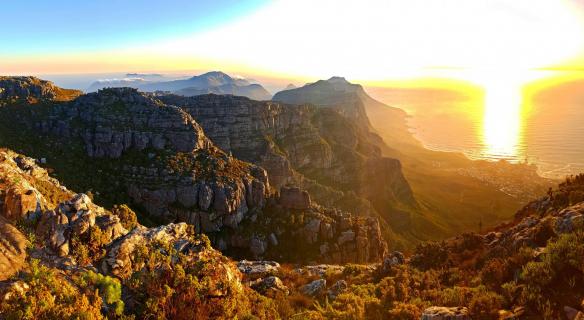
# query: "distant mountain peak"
[337,79]
[213,74]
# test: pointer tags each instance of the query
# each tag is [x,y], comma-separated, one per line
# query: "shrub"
[50,297]
[110,290]
[429,255]
[127,216]
[485,304]
[495,272]
[405,311]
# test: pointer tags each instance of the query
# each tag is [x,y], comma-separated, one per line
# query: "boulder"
[314,288]
[573,314]
[53,228]
[270,286]
[394,259]
[21,200]
[12,249]
[258,269]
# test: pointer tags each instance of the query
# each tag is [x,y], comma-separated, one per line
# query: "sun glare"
[502,122]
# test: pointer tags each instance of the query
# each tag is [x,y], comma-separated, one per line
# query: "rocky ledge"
[31,89]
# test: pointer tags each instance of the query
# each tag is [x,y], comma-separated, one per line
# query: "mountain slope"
[335,92]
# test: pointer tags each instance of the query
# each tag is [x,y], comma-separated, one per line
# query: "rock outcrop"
[270,286]
[291,228]
[315,288]
[31,89]
[114,121]
[181,175]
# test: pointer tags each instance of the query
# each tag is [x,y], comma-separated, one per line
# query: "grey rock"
[258,269]
[270,286]
[314,288]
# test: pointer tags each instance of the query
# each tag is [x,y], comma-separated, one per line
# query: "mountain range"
[211,82]
[175,187]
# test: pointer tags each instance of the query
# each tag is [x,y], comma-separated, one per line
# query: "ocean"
[540,121]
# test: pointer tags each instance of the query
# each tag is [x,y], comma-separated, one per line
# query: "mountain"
[319,149]
[210,82]
[335,92]
[131,147]
[454,192]
[160,191]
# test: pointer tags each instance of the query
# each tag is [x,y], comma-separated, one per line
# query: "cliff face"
[124,145]
[320,149]
[187,179]
[292,228]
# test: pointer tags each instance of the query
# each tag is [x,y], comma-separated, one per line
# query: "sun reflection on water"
[501,130]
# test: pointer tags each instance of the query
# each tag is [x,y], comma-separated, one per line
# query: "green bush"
[50,296]
[110,290]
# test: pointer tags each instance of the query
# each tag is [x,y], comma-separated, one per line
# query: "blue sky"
[43,26]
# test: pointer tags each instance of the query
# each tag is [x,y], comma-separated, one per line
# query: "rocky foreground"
[95,263]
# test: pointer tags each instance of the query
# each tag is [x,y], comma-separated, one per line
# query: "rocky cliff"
[292,228]
[320,149]
[180,175]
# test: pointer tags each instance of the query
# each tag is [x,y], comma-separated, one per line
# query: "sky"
[306,39]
